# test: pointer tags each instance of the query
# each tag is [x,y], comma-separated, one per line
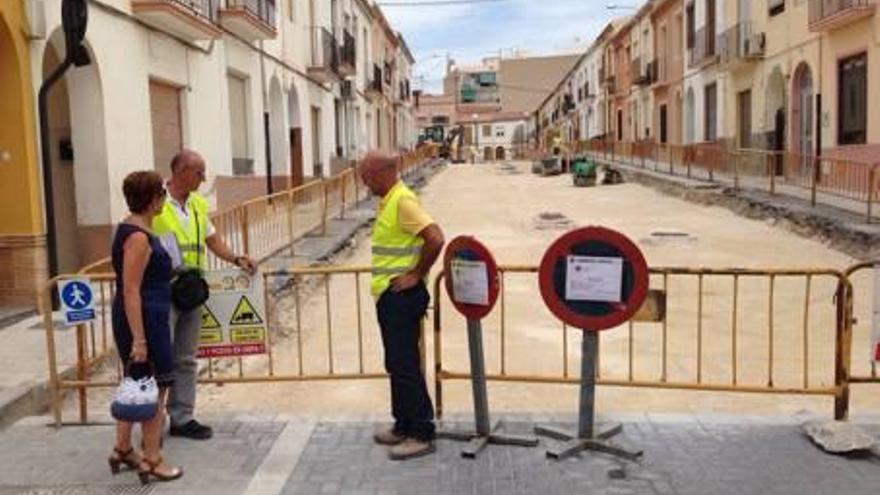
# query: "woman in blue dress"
[140,319]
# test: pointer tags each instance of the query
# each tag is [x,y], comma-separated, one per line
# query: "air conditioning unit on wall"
[755,44]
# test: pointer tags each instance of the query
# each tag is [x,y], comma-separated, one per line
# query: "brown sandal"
[144,474]
[118,458]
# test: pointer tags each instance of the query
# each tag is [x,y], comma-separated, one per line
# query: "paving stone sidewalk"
[684,455]
[680,458]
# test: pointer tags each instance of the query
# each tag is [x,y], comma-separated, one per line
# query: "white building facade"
[703,86]
[258,87]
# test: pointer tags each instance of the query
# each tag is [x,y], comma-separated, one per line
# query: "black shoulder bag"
[189,290]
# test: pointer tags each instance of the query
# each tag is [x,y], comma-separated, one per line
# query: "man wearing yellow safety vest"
[406,242]
[185,231]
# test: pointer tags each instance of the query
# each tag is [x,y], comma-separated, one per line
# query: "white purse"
[135,400]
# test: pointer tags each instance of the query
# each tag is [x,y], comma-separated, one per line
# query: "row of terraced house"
[289,90]
[787,75]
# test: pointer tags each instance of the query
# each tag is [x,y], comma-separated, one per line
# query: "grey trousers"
[185,328]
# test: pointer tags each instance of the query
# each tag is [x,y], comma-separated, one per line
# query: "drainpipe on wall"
[74,20]
[266,126]
[819,116]
[819,104]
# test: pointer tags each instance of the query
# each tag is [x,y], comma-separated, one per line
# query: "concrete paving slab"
[270,454]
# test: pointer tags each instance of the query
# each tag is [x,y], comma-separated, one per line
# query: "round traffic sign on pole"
[593,278]
[471,277]
[472,284]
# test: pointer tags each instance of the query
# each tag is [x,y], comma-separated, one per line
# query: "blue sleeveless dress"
[155,306]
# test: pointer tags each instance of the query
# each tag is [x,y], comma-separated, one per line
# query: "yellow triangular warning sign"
[209,321]
[245,314]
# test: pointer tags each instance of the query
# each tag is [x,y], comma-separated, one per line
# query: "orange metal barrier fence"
[784,332]
[850,184]
[795,341]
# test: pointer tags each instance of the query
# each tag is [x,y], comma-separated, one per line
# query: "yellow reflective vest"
[191,240]
[394,251]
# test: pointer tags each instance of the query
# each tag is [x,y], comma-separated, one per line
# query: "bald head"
[187,173]
[186,159]
[379,172]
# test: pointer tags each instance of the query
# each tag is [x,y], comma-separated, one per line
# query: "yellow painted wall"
[788,44]
[858,37]
[19,183]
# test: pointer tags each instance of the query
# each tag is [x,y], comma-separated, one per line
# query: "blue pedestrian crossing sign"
[77,301]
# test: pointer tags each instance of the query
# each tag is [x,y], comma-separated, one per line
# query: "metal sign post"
[594,279]
[473,289]
[587,437]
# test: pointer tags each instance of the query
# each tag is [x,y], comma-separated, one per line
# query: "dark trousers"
[399,316]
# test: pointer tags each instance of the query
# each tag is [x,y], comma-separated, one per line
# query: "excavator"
[453,146]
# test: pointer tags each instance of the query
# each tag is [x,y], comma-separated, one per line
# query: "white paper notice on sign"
[594,278]
[470,282]
[875,333]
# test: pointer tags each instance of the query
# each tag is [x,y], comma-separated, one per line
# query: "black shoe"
[193,430]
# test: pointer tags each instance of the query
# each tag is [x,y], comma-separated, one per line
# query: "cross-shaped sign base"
[477,442]
[574,444]
[485,433]
[587,437]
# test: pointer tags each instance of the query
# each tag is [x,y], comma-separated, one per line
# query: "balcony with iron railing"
[661,72]
[611,84]
[589,91]
[567,103]
[703,50]
[324,65]
[191,20]
[827,15]
[388,72]
[740,44]
[251,19]
[642,74]
[348,55]
[373,86]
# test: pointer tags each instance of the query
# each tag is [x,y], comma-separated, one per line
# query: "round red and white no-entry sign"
[471,277]
[593,278]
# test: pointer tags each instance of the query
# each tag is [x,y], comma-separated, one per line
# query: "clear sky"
[471,31]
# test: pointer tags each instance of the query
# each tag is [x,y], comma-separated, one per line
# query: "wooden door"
[296,160]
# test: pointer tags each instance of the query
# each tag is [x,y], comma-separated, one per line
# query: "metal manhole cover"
[551,220]
[668,236]
[509,169]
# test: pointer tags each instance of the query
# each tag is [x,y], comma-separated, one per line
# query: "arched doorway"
[80,176]
[499,153]
[802,116]
[689,117]
[776,109]
[295,138]
[487,154]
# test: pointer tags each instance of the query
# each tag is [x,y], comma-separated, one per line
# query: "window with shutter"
[852,100]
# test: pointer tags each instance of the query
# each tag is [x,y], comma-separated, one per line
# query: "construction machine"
[452,147]
[586,172]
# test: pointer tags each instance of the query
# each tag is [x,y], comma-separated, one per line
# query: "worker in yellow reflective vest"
[406,242]
[186,231]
